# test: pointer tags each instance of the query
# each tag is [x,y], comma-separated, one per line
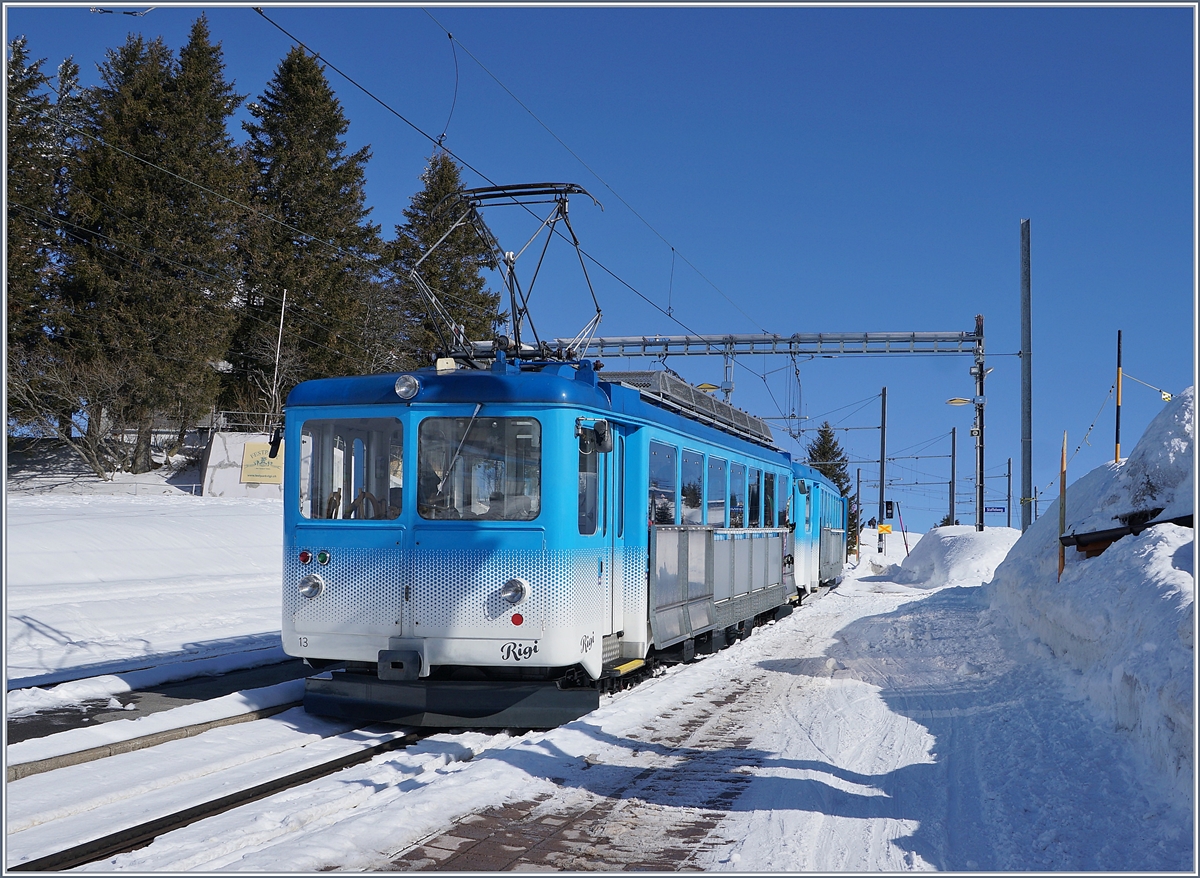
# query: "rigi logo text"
[515,652]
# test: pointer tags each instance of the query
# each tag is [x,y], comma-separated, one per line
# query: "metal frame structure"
[817,344]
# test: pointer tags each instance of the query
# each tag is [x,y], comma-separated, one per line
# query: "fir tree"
[316,248]
[30,193]
[453,270]
[152,273]
[825,455]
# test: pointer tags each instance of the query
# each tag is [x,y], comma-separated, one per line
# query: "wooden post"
[1062,508]
[1117,457]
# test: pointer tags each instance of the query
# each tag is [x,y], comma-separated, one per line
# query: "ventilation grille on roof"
[674,393]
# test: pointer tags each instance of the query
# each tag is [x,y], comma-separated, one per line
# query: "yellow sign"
[257,465]
[885,528]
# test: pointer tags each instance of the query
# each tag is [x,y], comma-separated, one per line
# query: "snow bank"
[1123,620]
[117,731]
[955,555]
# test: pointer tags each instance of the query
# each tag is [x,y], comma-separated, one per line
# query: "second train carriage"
[490,547]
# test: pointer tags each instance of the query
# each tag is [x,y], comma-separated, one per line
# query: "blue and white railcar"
[494,547]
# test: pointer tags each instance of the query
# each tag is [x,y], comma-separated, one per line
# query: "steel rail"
[18,770]
[141,835]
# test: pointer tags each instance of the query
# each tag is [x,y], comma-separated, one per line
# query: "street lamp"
[978,372]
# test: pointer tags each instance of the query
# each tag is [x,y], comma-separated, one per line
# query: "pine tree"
[46,380]
[30,193]
[152,272]
[207,224]
[317,247]
[825,455]
[453,270]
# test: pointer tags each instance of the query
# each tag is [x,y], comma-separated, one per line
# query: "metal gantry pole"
[882,458]
[858,518]
[1009,505]
[953,470]
[978,371]
[1026,381]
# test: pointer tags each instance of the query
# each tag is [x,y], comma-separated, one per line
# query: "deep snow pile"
[1124,619]
[955,555]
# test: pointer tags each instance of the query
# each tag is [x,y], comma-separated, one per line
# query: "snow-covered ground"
[112,584]
[958,709]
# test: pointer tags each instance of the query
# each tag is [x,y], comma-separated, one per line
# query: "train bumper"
[447,703]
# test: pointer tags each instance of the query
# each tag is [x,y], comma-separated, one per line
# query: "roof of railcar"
[553,384]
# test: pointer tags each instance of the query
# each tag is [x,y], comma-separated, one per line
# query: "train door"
[806,560]
[615,522]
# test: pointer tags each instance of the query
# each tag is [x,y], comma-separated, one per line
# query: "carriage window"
[351,468]
[785,502]
[737,495]
[691,470]
[662,483]
[768,499]
[716,491]
[481,468]
[589,464]
[754,498]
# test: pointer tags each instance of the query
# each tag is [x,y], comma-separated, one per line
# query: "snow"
[202,573]
[956,708]
[1122,621]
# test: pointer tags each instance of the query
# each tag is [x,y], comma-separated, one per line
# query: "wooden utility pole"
[1117,457]
[1062,508]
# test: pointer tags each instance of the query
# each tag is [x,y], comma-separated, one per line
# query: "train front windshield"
[351,468]
[479,468]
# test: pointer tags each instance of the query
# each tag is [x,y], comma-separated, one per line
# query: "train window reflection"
[768,499]
[737,495]
[662,483]
[716,492]
[350,468]
[753,503]
[691,470]
[481,468]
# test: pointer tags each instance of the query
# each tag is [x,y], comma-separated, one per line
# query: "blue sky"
[825,169]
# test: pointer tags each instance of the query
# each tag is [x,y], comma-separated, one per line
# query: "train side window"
[716,492]
[589,502]
[691,490]
[737,495]
[785,502]
[662,483]
[754,498]
[350,468]
[808,512]
[768,499]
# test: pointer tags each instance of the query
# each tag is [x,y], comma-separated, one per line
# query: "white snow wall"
[1124,619]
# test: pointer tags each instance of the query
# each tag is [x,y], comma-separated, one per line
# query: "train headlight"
[515,590]
[312,585]
[407,386]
